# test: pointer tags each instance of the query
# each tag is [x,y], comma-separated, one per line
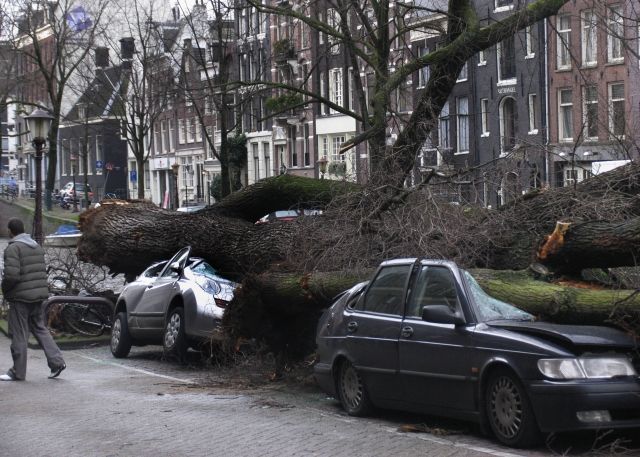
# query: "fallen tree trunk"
[595,244]
[283,309]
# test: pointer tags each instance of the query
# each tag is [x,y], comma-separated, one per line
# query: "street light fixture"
[176,198]
[38,123]
[322,164]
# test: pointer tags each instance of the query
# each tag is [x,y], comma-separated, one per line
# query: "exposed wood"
[593,244]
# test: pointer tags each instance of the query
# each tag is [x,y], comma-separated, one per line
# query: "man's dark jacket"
[24,278]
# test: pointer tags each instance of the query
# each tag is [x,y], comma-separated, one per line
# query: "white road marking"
[138,370]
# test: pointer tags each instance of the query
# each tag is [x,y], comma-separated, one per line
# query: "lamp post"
[176,198]
[322,165]
[73,159]
[38,123]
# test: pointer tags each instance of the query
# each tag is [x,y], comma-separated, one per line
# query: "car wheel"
[120,337]
[509,412]
[352,392]
[174,339]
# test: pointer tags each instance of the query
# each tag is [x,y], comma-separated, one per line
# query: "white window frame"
[562,111]
[505,81]
[563,42]
[462,117]
[615,34]
[464,73]
[585,108]
[498,9]
[589,35]
[163,131]
[444,128]
[532,100]
[528,43]
[336,92]
[482,58]
[170,127]
[620,101]
[424,72]
[190,129]
[181,131]
[484,116]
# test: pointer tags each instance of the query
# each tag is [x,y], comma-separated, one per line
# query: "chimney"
[176,13]
[102,57]
[127,48]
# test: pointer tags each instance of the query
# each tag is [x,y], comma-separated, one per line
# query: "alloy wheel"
[116,334]
[173,330]
[352,389]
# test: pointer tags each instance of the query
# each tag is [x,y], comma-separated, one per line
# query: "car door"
[150,310]
[435,359]
[373,329]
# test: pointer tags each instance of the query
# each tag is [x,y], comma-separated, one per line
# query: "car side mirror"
[175,266]
[442,314]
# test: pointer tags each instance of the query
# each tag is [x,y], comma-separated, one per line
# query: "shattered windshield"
[491,309]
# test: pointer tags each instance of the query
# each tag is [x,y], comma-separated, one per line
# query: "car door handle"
[352,326]
[407,332]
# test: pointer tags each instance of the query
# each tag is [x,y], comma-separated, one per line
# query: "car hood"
[577,335]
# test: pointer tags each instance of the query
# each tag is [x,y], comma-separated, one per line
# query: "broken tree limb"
[595,244]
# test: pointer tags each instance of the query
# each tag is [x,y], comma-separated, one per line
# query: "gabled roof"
[102,97]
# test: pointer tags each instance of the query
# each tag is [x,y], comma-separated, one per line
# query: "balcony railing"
[283,50]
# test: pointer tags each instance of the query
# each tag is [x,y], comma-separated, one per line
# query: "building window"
[163,133]
[157,146]
[293,140]
[484,107]
[463,124]
[482,58]
[266,152]
[590,112]
[508,124]
[463,73]
[190,129]
[589,39]
[307,156]
[423,73]
[256,162]
[336,155]
[507,61]
[503,5]
[171,145]
[335,87]
[533,113]
[616,110]
[563,42]
[570,176]
[565,114]
[444,128]
[181,131]
[615,34]
[529,43]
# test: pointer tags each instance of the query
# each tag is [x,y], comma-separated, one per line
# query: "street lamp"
[73,159]
[38,123]
[176,198]
[322,164]
[189,170]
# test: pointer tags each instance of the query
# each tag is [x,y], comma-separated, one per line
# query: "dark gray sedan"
[177,303]
[423,336]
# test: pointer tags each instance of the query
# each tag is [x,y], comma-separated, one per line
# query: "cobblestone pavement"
[145,406]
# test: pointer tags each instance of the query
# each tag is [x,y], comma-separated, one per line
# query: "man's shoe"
[56,371]
[7,377]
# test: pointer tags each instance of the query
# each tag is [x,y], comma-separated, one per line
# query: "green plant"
[282,47]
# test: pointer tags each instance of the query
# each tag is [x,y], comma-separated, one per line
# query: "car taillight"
[221,303]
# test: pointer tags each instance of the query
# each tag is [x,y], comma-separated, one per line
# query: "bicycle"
[84,315]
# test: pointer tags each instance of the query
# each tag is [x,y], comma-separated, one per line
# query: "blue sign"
[133,176]
[99,164]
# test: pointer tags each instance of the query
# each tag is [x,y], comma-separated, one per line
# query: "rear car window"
[386,294]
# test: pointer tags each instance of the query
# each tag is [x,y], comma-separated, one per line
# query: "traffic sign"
[133,176]
[99,164]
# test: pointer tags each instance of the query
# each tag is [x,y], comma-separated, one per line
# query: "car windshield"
[491,309]
[204,269]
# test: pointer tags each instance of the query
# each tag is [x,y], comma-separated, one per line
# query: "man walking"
[24,286]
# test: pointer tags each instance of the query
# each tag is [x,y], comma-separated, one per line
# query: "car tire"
[120,337]
[352,392]
[174,339]
[509,411]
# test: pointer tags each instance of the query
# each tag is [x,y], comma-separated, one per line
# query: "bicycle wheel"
[53,318]
[83,319]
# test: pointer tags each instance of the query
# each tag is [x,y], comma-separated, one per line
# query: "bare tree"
[51,41]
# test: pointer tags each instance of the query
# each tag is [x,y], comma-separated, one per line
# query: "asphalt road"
[146,406]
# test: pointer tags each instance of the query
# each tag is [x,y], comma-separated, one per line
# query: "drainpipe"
[546,103]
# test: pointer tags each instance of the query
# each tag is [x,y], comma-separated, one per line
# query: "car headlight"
[208,285]
[586,368]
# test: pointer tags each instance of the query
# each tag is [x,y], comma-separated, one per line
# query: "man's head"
[15,226]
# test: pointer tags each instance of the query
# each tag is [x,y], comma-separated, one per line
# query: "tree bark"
[594,244]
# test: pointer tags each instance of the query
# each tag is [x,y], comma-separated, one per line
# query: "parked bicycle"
[90,316]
